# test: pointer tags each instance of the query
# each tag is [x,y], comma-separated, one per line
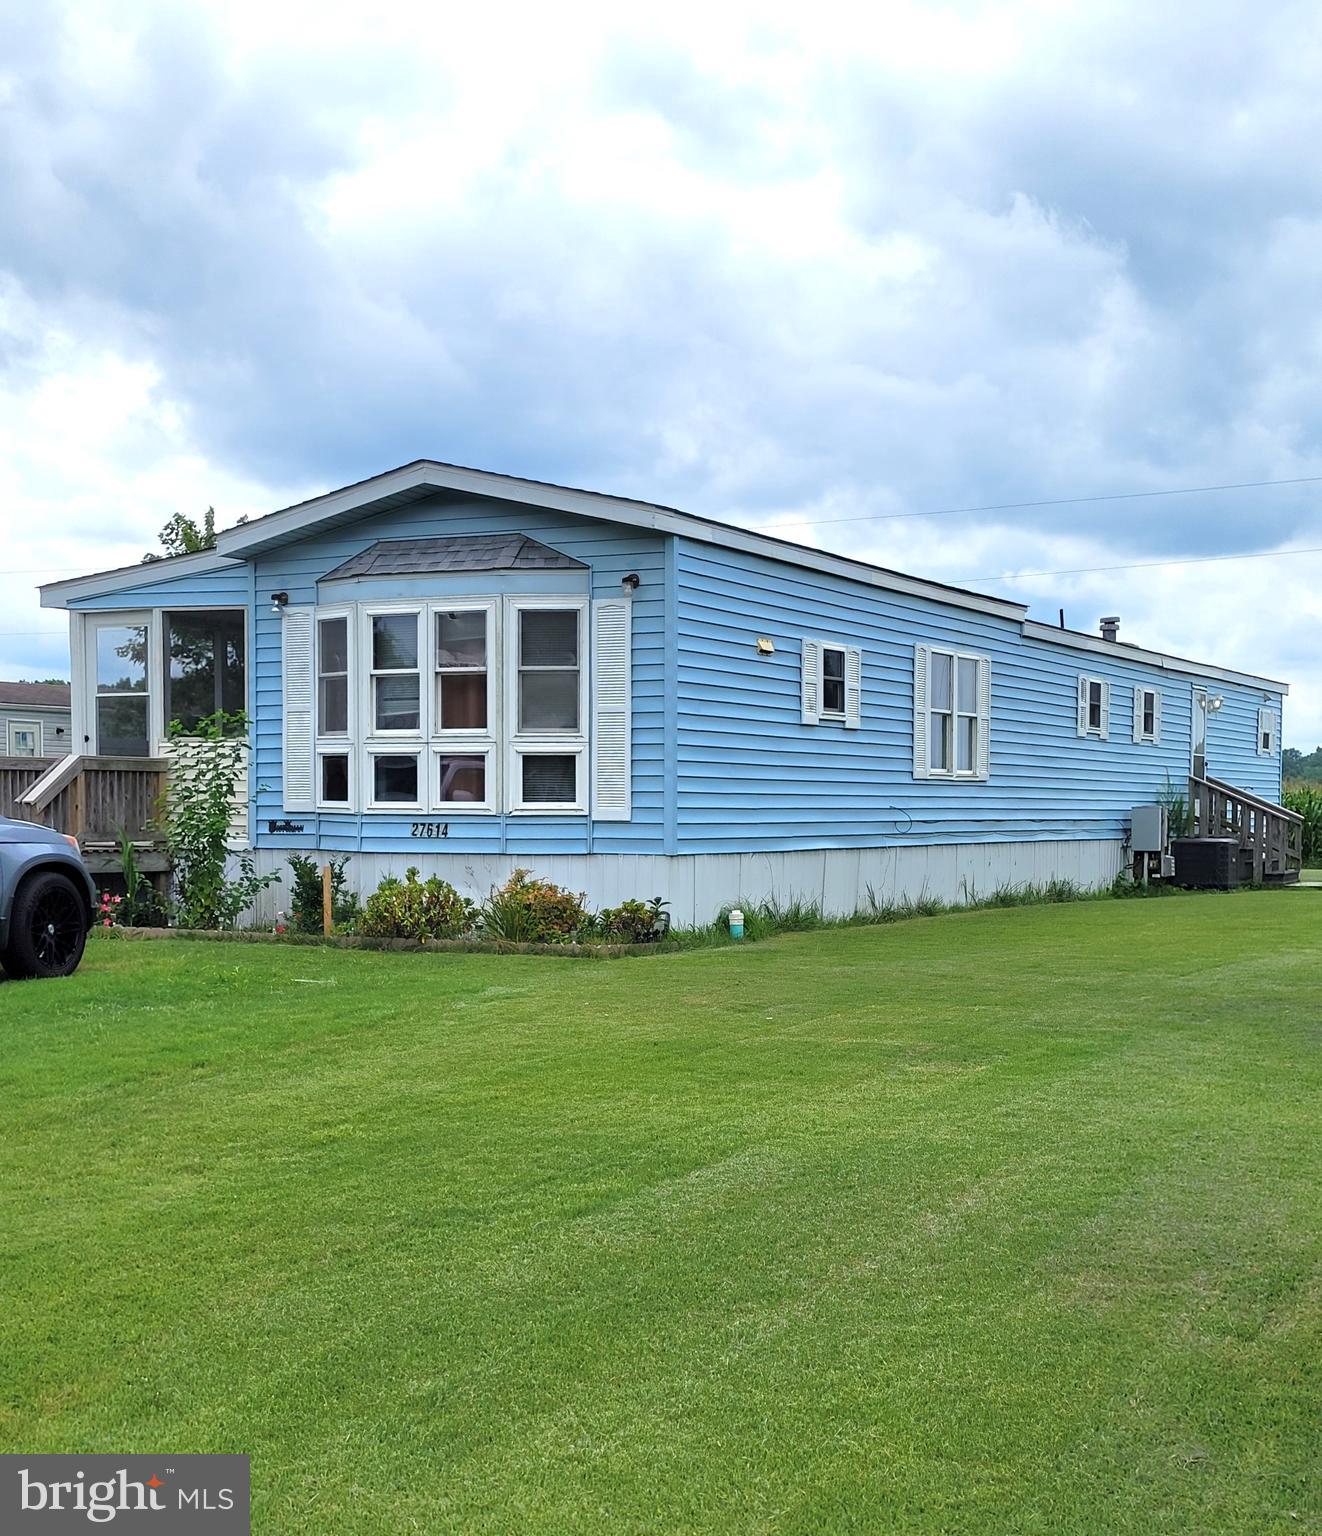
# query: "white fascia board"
[1121,651]
[278,527]
[60,594]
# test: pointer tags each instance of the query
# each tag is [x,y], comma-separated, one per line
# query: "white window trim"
[544,743]
[34,726]
[466,741]
[530,747]
[813,683]
[923,712]
[1269,726]
[459,746]
[337,747]
[502,744]
[394,747]
[1101,732]
[1141,692]
[369,673]
[822,712]
[328,744]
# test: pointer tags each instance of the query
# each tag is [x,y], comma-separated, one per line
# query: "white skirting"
[697,886]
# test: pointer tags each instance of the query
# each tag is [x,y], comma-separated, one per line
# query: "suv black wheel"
[47,927]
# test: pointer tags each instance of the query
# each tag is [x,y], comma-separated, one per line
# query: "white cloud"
[758,260]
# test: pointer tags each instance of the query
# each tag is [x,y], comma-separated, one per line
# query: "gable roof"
[35,695]
[424,477]
[458,552]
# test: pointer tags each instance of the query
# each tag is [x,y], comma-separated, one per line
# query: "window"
[333,780]
[833,681]
[1267,730]
[1094,707]
[396,681]
[547,706]
[462,676]
[831,684]
[203,664]
[1147,714]
[120,709]
[333,676]
[25,738]
[548,684]
[394,780]
[463,707]
[952,714]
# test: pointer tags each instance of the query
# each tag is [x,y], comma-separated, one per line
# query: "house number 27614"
[431,829]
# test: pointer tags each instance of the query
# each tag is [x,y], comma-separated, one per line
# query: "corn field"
[1306,800]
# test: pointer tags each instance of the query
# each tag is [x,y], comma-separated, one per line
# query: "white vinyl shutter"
[811,682]
[922,663]
[1106,710]
[612,770]
[983,764]
[296,656]
[853,687]
[1083,706]
[1156,714]
[1138,713]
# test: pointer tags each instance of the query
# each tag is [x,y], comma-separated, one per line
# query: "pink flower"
[108,923]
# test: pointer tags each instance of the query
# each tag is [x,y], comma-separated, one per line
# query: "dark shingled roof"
[36,695]
[468,552]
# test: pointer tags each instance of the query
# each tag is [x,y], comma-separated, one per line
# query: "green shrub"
[305,898]
[416,909]
[633,922]
[1306,801]
[526,910]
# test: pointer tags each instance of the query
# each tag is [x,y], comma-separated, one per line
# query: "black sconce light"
[631,582]
[278,601]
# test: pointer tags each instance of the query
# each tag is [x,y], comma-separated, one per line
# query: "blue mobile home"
[470,672]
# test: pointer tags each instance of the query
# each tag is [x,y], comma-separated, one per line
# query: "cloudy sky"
[809,268]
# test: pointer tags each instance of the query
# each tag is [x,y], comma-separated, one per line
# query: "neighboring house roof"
[34,695]
[463,552]
[425,477]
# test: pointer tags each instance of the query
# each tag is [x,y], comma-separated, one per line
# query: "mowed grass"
[996,1222]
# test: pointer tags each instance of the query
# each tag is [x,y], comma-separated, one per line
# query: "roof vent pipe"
[1110,629]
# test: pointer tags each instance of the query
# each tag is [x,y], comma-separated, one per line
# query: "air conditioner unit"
[1168,866]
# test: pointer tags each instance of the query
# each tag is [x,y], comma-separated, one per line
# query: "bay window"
[466,706]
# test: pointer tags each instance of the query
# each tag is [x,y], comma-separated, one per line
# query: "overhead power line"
[1060,501]
[1145,565]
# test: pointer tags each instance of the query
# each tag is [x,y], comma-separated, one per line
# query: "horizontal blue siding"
[609,551]
[226,588]
[751,777]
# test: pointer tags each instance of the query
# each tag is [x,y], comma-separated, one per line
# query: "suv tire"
[47,927]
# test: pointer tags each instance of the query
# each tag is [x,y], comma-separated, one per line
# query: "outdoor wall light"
[631,582]
[1215,703]
[278,601]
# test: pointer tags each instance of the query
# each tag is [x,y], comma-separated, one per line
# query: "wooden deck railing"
[18,774]
[97,799]
[1271,840]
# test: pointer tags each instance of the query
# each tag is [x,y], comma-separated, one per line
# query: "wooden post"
[327,913]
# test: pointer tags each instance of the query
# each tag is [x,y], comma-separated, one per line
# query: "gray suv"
[47,899]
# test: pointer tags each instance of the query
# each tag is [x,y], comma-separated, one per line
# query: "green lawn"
[996,1222]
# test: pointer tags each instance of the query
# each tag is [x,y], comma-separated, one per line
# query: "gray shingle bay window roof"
[465,552]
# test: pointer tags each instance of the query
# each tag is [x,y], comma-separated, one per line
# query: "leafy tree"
[1300,765]
[185,536]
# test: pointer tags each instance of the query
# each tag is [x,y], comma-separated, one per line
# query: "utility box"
[1147,829]
[1206,863]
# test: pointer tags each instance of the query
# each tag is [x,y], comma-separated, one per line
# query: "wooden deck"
[98,800]
[1271,839]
